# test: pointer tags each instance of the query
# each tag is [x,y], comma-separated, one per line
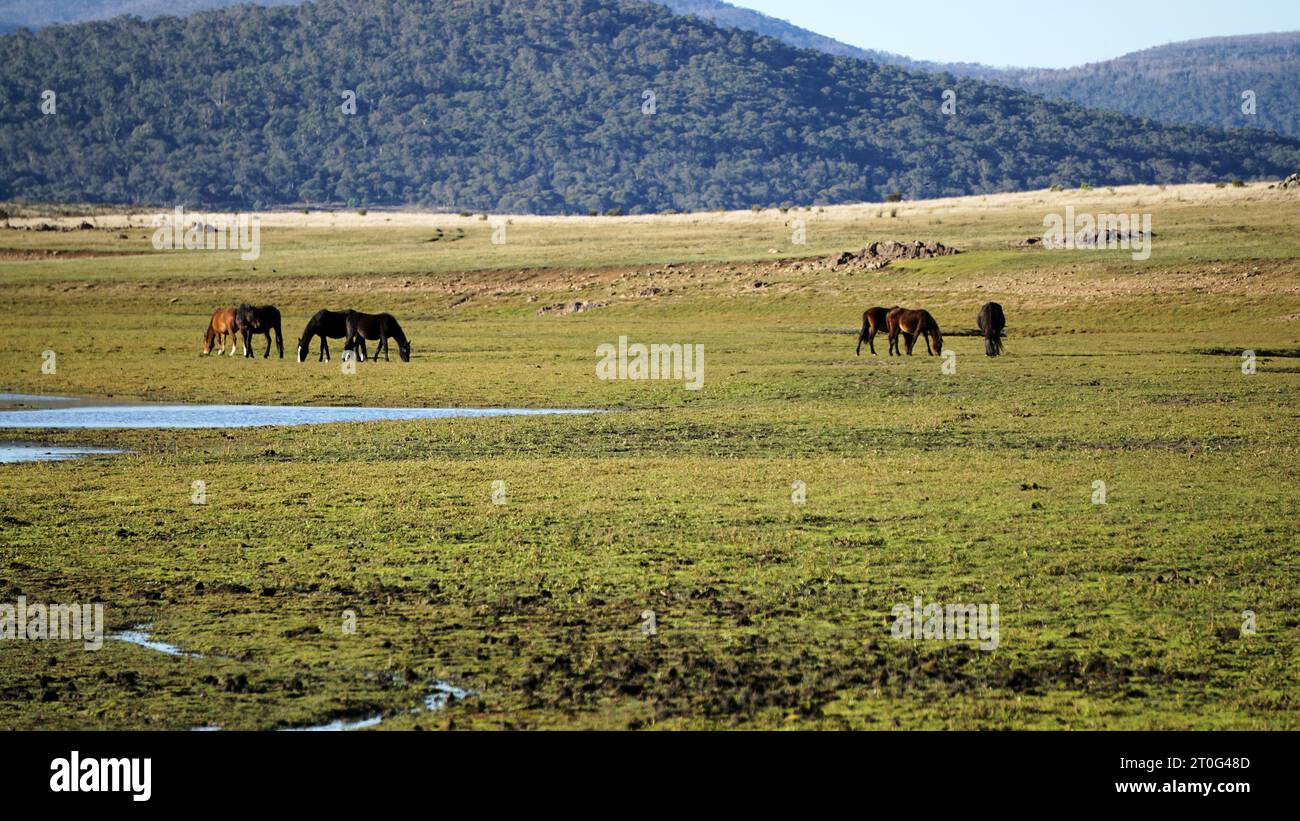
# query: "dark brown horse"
[912,324]
[260,320]
[376,327]
[221,327]
[992,321]
[325,324]
[874,320]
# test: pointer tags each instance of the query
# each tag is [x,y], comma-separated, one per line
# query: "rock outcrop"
[875,256]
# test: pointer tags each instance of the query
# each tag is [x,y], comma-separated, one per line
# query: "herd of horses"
[909,324]
[353,327]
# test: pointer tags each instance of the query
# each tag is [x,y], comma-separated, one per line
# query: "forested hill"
[727,14]
[1199,82]
[535,105]
[35,14]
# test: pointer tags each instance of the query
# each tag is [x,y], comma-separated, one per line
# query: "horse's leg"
[871,339]
[247,335]
[324,349]
[929,351]
[911,340]
[267,355]
[383,340]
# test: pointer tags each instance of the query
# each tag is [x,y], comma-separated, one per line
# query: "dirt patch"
[1260,352]
[57,253]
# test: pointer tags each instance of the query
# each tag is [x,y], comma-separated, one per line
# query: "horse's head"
[404,351]
[302,349]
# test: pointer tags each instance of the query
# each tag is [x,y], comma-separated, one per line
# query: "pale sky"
[1022,33]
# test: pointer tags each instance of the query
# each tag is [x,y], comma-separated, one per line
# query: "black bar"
[961,770]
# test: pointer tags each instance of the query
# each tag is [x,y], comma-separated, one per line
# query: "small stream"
[441,693]
[68,412]
[13,452]
[121,417]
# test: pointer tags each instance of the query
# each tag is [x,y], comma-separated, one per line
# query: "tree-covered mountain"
[731,16]
[16,14]
[548,106]
[1199,82]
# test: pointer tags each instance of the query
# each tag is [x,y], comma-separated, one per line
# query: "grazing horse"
[260,320]
[912,324]
[325,324]
[376,326]
[874,320]
[221,326]
[992,321]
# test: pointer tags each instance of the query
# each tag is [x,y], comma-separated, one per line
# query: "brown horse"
[222,325]
[874,320]
[912,324]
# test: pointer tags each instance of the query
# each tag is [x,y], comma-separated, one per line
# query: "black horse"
[259,320]
[326,325]
[992,321]
[376,326]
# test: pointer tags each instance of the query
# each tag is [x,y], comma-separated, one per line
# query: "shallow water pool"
[237,416]
[12,452]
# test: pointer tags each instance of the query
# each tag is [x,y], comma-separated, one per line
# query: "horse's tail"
[992,343]
[991,323]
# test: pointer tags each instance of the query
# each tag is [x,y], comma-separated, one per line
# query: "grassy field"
[975,486]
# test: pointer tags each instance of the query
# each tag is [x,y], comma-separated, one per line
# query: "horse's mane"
[395,329]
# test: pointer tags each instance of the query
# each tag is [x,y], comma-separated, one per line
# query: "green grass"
[972,487]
